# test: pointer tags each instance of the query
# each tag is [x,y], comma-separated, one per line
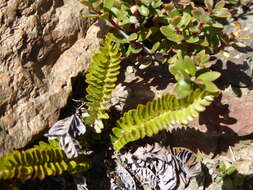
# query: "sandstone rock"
[42,48]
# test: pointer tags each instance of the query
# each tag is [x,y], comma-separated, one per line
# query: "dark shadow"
[104,28]
[237,181]
[206,179]
[75,100]
[140,88]
[216,118]
[246,11]
[218,136]
[235,75]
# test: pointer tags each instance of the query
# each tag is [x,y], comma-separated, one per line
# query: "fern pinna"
[101,79]
[38,162]
[159,114]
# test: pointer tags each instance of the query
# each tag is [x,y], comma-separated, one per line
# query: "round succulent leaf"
[209,76]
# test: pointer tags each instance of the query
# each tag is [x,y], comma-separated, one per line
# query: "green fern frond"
[101,79]
[38,162]
[159,114]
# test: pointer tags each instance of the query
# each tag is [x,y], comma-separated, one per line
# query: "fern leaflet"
[159,114]
[101,79]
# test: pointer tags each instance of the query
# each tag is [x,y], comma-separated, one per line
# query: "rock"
[42,50]
[228,116]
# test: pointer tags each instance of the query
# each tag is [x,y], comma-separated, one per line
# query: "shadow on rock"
[236,75]
[215,121]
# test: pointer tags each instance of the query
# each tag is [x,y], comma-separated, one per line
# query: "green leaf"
[144,11]
[192,39]
[209,76]
[91,14]
[155,46]
[189,66]
[108,4]
[230,170]
[217,25]
[200,14]
[185,20]
[222,13]
[133,50]
[175,20]
[132,37]
[218,179]
[220,4]
[170,33]
[210,87]
[118,38]
[144,34]
[156,4]
[204,42]
[133,19]
[182,89]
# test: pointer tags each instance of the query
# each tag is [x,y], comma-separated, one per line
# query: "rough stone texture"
[42,49]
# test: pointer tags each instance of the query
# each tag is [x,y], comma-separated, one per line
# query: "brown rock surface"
[42,48]
[227,115]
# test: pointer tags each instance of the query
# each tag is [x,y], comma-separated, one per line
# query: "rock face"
[42,48]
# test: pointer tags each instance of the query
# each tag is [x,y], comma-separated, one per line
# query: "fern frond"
[159,114]
[101,79]
[38,162]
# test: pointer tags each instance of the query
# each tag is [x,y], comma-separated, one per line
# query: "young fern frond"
[159,114]
[38,162]
[101,80]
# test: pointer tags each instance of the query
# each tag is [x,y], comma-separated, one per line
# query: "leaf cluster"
[166,26]
[189,77]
